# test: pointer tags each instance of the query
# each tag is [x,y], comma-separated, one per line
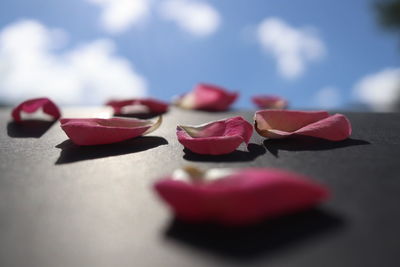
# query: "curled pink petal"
[277,124]
[95,131]
[269,102]
[238,197]
[207,97]
[143,105]
[217,137]
[33,105]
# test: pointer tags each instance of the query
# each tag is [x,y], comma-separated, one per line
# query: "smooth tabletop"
[64,205]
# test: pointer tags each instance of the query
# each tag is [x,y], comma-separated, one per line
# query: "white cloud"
[88,74]
[195,17]
[292,48]
[119,15]
[381,90]
[328,97]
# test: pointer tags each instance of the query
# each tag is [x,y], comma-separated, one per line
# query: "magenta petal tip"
[207,97]
[93,131]
[269,102]
[139,105]
[33,105]
[217,137]
[238,197]
[275,124]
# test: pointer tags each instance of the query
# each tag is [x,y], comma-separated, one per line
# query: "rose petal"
[239,197]
[217,137]
[276,124]
[95,131]
[269,102]
[33,105]
[207,97]
[144,105]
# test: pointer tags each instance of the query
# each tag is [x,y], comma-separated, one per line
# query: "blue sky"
[171,60]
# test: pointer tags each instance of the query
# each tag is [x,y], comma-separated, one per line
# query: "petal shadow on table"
[308,144]
[261,240]
[142,116]
[28,128]
[254,150]
[72,153]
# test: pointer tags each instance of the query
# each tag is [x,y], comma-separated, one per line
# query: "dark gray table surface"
[63,205]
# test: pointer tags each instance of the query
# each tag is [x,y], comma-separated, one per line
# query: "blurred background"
[316,54]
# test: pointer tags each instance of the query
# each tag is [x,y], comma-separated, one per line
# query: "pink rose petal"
[144,105]
[217,137]
[276,124]
[33,105]
[94,131]
[269,102]
[207,97]
[238,197]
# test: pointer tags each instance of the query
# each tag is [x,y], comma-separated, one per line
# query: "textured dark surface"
[63,205]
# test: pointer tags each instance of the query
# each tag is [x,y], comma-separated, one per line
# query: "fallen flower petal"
[277,124]
[207,97]
[94,131]
[33,105]
[217,137]
[269,102]
[132,106]
[238,197]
